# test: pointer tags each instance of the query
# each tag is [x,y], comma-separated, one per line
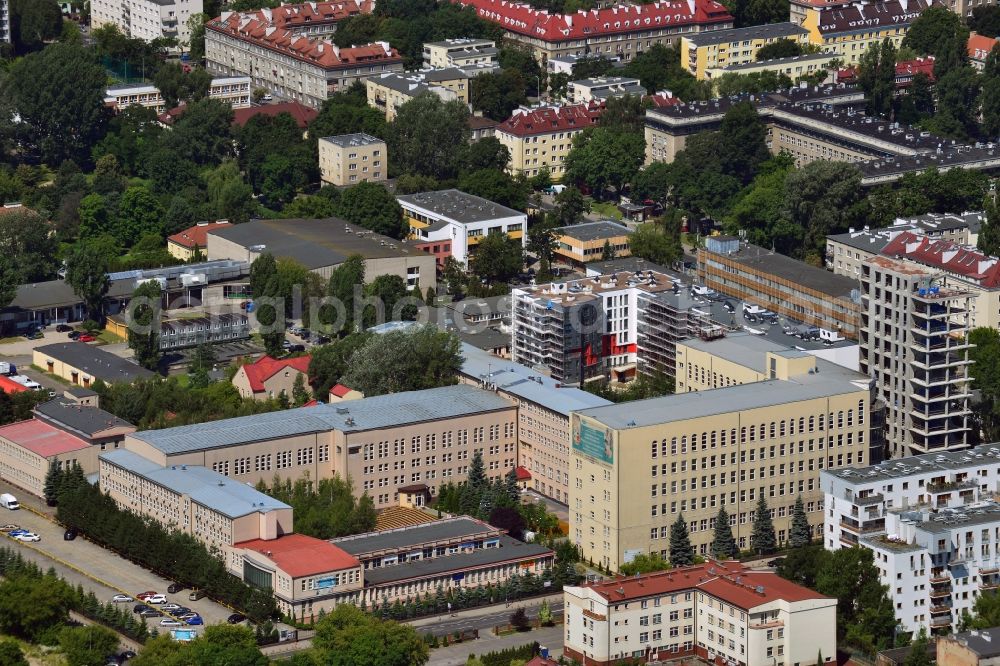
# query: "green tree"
[877,77]
[372,206]
[762,538]
[176,85]
[196,26]
[649,241]
[108,177]
[349,637]
[347,277]
[203,134]
[985,611]
[743,144]
[821,198]
[935,31]
[645,563]
[34,22]
[30,607]
[681,550]
[496,186]
[139,212]
[957,92]
[58,95]
[608,252]
[802,565]
[865,614]
[476,478]
[11,654]
[603,158]
[201,362]
[329,362]
[497,93]
[497,258]
[87,266]
[389,301]
[780,48]
[10,279]
[428,136]
[53,480]
[989,98]
[985,371]
[263,270]
[264,284]
[985,20]
[723,544]
[800,533]
[229,195]
[87,646]
[487,153]
[918,655]
[417,358]
[571,206]
[144,324]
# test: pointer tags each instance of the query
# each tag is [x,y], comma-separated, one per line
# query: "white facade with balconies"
[933,523]
[148,19]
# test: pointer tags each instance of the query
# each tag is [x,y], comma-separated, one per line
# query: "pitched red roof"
[41,438]
[962,260]
[728,581]
[587,24]
[663,99]
[266,367]
[980,46]
[310,14]
[549,119]
[323,53]
[339,390]
[905,71]
[863,17]
[299,555]
[9,386]
[195,236]
[302,114]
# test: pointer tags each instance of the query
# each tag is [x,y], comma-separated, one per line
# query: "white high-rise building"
[148,19]
[5,35]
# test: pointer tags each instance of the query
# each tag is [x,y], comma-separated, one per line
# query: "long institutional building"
[933,523]
[279,52]
[751,419]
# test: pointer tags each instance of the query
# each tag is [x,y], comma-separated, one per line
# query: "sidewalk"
[456,655]
[482,611]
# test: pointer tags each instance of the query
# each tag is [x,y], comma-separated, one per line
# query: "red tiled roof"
[41,438]
[552,119]
[622,19]
[862,17]
[522,474]
[266,367]
[302,114]
[539,660]
[299,555]
[716,578]
[315,13]
[339,390]
[311,403]
[195,236]
[961,260]
[905,71]
[319,52]
[980,46]
[663,99]
[14,208]
[9,386]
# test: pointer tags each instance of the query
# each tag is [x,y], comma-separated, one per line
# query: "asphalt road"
[82,562]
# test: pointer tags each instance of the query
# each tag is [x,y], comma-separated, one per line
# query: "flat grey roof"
[606,80]
[231,498]
[697,404]
[86,420]
[510,549]
[385,411]
[627,265]
[867,240]
[589,231]
[314,243]
[410,537]
[460,41]
[58,293]
[769,31]
[526,383]
[459,206]
[791,60]
[926,462]
[349,140]
[95,361]
[984,643]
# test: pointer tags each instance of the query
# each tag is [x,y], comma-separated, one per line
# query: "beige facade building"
[578,244]
[979,647]
[148,19]
[28,448]
[703,52]
[794,67]
[349,159]
[82,364]
[539,139]
[474,56]
[636,467]
[387,92]
[268,378]
[849,30]
[720,612]
[381,443]
[185,244]
[602,88]
[191,499]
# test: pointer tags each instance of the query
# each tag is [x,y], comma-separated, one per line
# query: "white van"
[26,381]
[8,501]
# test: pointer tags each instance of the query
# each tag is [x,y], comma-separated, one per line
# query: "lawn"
[606,209]
[108,338]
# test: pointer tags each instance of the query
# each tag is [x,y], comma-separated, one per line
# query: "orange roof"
[299,555]
[980,46]
[195,236]
[9,386]
[266,367]
[339,390]
[41,438]
[302,114]
[728,581]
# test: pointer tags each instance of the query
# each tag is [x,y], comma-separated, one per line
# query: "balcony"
[875,527]
[951,486]
[989,585]
[941,621]
[942,593]
[767,624]
[940,579]
[869,500]
[937,610]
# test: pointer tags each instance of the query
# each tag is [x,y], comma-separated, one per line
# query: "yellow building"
[579,243]
[771,418]
[541,138]
[705,51]
[82,364]
[847,32]
[794,67]
[349,159]
[387,92]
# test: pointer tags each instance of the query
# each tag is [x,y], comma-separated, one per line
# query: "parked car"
[322,339]
[150,612]
[776,562]
[138,608]
[146,595]
[174,588]
[9,527]
[74,335]
[750,317]
[182,610]
[170,607]
[64,328]
[291,349]
[236,618]
[728,305]
[156,599]
[121,599]
[27,536]
[170,622]
[35,335]
[71,534]
[86,337]
[195,620]
[196,595]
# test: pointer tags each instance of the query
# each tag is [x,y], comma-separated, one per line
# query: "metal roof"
[458,206]
[210,489]
[83,419]
[770,31]
[352,140]
[95,362]
[386,411]
[589,231]
[412,536]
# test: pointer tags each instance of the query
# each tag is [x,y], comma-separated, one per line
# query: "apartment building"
[215,510]
[717,611]
[539,139]
[233,90]
[781,284]
[268,378]
[846,253]
[473,56]
[913,343]
[450,223]
[29,448]
[315,19]
[578,244]
[707,51]
[608,325]
[602,88]
[5,36]
[794,67]
[933,523]
[148,19]
[290,65]
[637,466]
[979,49]
[353,158]
[543,410]
[848,31]
[387,92]
[619,31]
[382,443]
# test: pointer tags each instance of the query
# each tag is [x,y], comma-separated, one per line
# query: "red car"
[145,595]
[86,338]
